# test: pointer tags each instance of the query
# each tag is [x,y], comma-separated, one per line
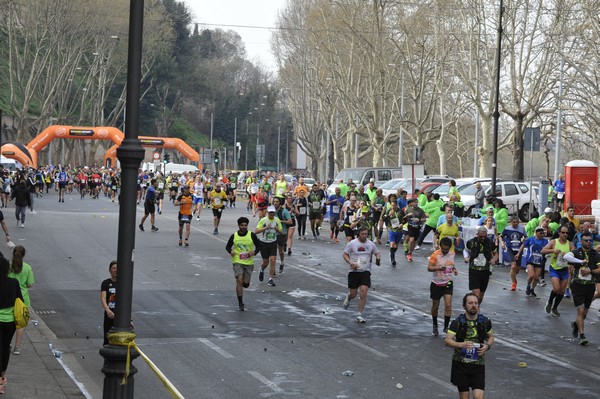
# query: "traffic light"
[167,158]
[216,155]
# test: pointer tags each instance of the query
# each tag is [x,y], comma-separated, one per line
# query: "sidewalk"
[36,373]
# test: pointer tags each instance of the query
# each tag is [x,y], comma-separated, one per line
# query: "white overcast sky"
[237,15]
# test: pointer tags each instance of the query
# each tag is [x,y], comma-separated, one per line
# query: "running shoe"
[555,312]
[261,275]
[583,340]
[435,332]
[533,294]
[528,290]
[141,226]
[409,257]
[346,302]
[417,247]
[513,287]
[331,235]
[187,243]
[216,232]
[17,351]
[241,307]
[154,228]
[548,306]
[359,319]
[567,293]
[289,252]
[542,283]
[281,268]
[445,330]
[575,329]
[314,236]
[180,242]
[271,283]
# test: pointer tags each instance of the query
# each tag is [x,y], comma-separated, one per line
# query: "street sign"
[156,156]
[532,139]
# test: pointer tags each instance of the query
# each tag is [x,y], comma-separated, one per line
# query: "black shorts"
[217,212]
[149,208]
[349,232]
[315,215]
[62,184]
[160,195]
[183,219]
[466,376]
[478,279]
[438,291]
[414,232]
[356,279]
[281,240]
[583,294]
[268,249]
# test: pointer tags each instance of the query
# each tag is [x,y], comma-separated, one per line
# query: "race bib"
[280,191]
[161,185]
[480,260]
[560,195]
[362,262]
[536,259]
[560,261]
[217,201]
[448,270]
[470,355]
[270,235]
[585,278]
[395,223]
[245,255]
[114,187]
[316,204]
[302,210]
[335,209]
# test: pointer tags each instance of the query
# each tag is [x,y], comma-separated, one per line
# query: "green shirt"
[25,279]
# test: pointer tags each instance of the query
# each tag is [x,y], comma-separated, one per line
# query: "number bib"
[480,261]
[470,355]
[245,255]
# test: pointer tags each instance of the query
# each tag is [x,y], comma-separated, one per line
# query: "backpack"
[461,332]
[21,314]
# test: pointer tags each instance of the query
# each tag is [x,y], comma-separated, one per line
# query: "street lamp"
[278,144]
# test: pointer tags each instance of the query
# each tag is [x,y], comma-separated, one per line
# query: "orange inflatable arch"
[110,158]
[26,156]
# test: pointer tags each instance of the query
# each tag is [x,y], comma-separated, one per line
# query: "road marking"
[70,373]
[216,348]
[389,299]
[545,357]
[365,347]
[450,387]
[274,387]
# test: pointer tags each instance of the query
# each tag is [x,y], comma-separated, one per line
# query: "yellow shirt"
[217,199]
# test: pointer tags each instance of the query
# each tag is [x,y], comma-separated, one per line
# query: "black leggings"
[7,330]
[424,233]
[301,225]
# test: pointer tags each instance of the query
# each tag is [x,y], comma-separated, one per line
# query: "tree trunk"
[484,151]
[518,145]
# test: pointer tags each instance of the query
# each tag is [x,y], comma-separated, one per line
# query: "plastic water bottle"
[348,373]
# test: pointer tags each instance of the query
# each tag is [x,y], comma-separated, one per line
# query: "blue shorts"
[395,236]
[198,200]
[561,274]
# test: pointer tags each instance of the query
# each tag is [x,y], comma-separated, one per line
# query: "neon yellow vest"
[244,249]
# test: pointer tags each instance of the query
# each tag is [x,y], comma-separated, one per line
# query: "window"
[384,175]
[524,188]
[510,189]
[368,176]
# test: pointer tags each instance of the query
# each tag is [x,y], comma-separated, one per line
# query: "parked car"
[514,194]
[309,181]
[392,186]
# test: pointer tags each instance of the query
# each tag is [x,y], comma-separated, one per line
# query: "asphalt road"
[295,339]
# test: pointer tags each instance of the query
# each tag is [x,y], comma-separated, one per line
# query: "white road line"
[274,387]
[365,347]
[450,387]
[70,373]
[519,347]
[216,348]
[545,357]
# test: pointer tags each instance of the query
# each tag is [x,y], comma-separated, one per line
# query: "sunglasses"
[586,240]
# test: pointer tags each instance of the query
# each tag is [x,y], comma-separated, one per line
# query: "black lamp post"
[130,154]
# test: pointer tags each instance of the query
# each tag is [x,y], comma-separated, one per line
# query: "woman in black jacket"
[9,292]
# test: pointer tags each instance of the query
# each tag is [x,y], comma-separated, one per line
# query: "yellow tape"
[127,339]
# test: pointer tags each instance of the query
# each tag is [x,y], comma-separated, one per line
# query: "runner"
[242,247]
[441,263]
[149,206]
[217,199]
[269,227]
[559,271]
[184,201]
[535,261]
[359,255]
[198,192]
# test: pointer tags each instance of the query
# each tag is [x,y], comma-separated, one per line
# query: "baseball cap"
[548,210]
[271,209]
[539,228]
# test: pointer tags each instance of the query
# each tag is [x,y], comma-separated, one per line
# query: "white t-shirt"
[361,253]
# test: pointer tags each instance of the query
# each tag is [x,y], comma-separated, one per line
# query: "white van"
[179,168]
[10,164]
[364,175]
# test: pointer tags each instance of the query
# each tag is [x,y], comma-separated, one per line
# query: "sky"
[250,18]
